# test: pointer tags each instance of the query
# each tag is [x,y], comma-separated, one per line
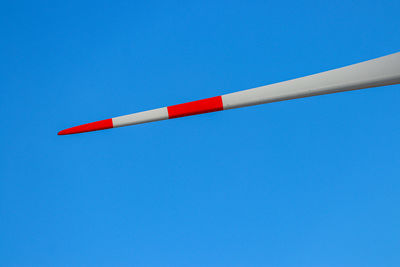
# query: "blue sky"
[308,182]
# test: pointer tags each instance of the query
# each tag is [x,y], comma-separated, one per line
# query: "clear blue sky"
[308,182]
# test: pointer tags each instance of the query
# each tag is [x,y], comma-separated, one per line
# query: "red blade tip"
[88,127]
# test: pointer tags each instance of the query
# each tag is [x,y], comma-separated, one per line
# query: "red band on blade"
[88,127]
[196,107]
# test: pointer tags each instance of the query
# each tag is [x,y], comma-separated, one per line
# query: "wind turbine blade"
[373,73]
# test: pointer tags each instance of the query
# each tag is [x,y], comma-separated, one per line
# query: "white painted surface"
[377,72]
[141,117]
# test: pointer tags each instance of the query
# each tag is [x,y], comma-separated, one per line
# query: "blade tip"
[88,127]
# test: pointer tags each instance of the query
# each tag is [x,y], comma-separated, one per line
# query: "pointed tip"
[88,127]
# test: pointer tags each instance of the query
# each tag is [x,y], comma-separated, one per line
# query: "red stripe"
[88,127]
[196,107]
